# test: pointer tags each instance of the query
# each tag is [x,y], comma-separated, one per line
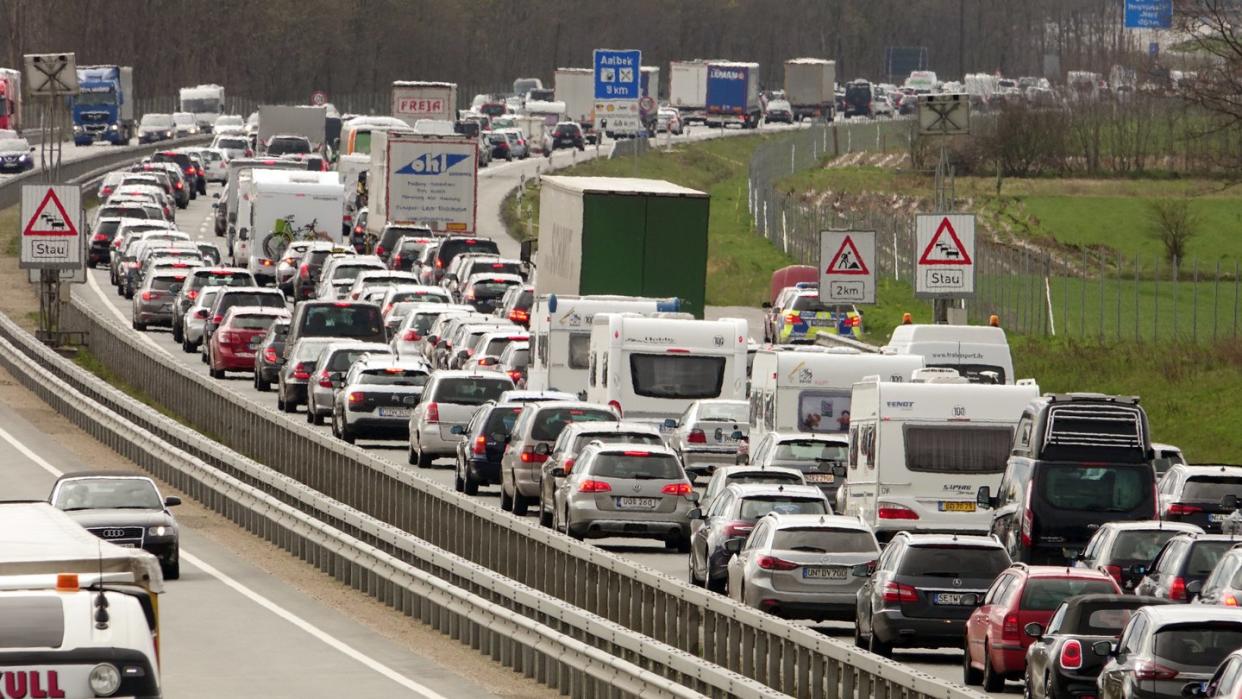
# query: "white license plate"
[955,599]
[394,412]
[637,503]
[820,478]
[823,573]
[1217,518]
[126,545]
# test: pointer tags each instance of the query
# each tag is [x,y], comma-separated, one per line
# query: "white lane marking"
[297,621]
[94,284]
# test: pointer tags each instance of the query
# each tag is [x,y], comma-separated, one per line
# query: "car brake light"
[480,445]
[357,398]
[897,592]
[219,318]
[774,563]
[433,412]
[528,456]
[1145,670]
[681,489]
[517,315]
[697,437]
[793,316]
[325,379]
[616,407]
[177,185]
[99,238]
[1071,655]
[740,527]
[1229,600]
[889,510]
[304,272]
[191,295]
[1028,518]
[1009,629]
[147,296]
[590,486]
[411,336]
[379,249]
[1181,509]
[439,264]
[269,355]
[302,371]
[1177,589]
[568,465]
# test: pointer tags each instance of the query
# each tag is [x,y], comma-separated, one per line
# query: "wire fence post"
[1177,264]
[1138,332]
[1082,300]
[1155,316]
[1102,316]
[1216,301]
[1194,305]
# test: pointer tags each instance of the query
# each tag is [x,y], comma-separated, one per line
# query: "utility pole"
[961,38]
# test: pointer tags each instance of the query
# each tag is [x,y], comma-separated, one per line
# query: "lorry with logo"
[413,100]
[293,120]
[205,102]
[103,109]
[423,180]
[687,89]
[810,87]
[624,236]
[733,94]
[575,88]
[10,99]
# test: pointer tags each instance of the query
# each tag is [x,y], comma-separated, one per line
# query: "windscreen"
[107,493]
[454,247]
[650,466]
[501,420]
[1139,546]
[1046,594]
[825,540]
[283,146]
[1211,488]
[550,422]
[344,320]
[1095,488]
[32,622]
[1202,645]
[774,477]
[954,561]
[394,376]
[957,448]
[677,376]
[474,390]
[756,507]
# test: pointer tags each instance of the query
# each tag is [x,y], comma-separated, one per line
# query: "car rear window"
[756,507]
[498,344]
[1211,488]
[493,268]
[32,622]
[343,320]
[501,420]
[519,359]
[1095,488]
[763,477]
[421,296]
[638,464]
[811,450]
[342,359]
[124,212]
[261,300]
[253,321]
[489,290]
[1101,620]
[550,422]
[582,440]
[1202,645]
[677,376]
[350,272]
[724,412]
[950,561]
[957,448]
[170,284]
[222,278]
[473,390]
[1045,594]
[454,247]
[394,376]
[1139,546]
[524,300]
[1204,555]
[824,540]
[107,228]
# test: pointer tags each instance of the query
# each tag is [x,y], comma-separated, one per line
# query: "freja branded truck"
[103,109]
[10,99]
[631,237]
[423,180]
[810,87]
[205,102]
[414,100]
[575,88]
[733,94]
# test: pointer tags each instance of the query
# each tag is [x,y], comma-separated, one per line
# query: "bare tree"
[1174,223]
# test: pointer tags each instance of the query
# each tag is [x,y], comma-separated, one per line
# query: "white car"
[229,124]
[329,372]
[232,145]
[668,120]
[707,434]
[184,124]
[449,401]
[407,338]
[196,317]
[377,397]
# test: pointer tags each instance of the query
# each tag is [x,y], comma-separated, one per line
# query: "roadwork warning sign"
[847,264]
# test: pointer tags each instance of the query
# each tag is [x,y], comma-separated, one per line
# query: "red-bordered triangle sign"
[950,252]
[847,260]
[50,219]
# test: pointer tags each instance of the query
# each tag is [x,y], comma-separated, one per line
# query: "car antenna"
[101,600]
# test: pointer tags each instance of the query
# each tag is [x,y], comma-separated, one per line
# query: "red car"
[995,640]
[232,345]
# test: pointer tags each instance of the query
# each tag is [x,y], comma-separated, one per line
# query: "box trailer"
[810,87]
[733,94]
[687,89]
[413,100]
[423,180]
[575,88]
[632,237]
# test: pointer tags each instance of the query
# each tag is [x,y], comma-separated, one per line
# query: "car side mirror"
[983,498]
[557,472]
[1104,649]
[1034,629]
[543,449]
[696,513]
[172,501]
[1138,570]
[670,423]
[1195,689]
[1229,502]
[457,429]
[1194,587]
[863,570]
[766,306]
[734,545]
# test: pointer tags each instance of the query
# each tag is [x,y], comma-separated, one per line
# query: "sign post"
[941,116]
[847,267]
[944,267]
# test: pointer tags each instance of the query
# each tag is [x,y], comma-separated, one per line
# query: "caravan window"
[541,348]
[677,375]
[579,350]
[957,448]
[824,411]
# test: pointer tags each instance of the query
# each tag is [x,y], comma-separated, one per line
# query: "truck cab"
[103,109]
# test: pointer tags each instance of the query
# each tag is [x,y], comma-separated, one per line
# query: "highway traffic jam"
[918,492]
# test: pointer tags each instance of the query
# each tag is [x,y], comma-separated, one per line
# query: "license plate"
[819,322]
[125,545]
[1217,518]
[820,478]
[955,599]
[823,573]
[394,412]
[254,344]
[957,506]
[637,503]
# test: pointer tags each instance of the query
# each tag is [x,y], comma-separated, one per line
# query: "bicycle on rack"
[284,233]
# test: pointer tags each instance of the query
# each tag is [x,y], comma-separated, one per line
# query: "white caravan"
[808,389]
[306,201]
[560,335]
[978,352]
[650,369]
[920,450]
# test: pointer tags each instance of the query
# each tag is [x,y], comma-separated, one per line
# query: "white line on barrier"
[297,621]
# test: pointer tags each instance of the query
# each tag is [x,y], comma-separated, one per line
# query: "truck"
[103,109]
[575,88]
[306,201]
[623,236]
[521,86]
[205,102]
[292,120]
[649,76]
[423,180]
[733,94]
[10,99]
[687,89]
[413,100]
[810,87]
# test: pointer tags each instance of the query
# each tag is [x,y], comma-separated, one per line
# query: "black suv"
[565,135]
[1181,567]
[392,234]
[1125,550]
[858,96]
[923,589]
[1079,460]
[1200,495]
[195,180]
[453,246]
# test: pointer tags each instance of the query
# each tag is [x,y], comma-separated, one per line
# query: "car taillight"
[1229,600]
[411,336]
[1071,655]
[793,316]
[616,407]
[302,371]
[589,486]
[269,355]
[480,446]
[568,465]
[379,249]
[697,437]
[514,375]
[897,592]
[774,563]
[1179,508]
[1177,589]
[681,489]
[191,295]
[529,456]
[1009,629]
[177,185]
[219,318]
[739,527]
[99,238]
[439,264]
[1145,670]
[517,315]
[1028,518]
[325,379]
[433,412]
[147,296]
[304,272]
[357,398]
[890,510]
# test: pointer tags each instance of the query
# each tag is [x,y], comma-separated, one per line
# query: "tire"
[715,585]
[459,484]
[521,503]
[545,515]
[506,500]
[992,682]
[140,327]
[172,571]
[129,291]
[259,384]
[347,435]
[971,677]
[469,485]
[410,458]
[679,543]
[690,577]
[286,405]
[880,648]
[313,417]
[570,530]
[424,461]
[215,373]
[859,641]
[177,334]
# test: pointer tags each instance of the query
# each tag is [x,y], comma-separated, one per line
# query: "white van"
[650,369]
[919,450]
[560,335]
[975,351]
[807,388]
[303,199]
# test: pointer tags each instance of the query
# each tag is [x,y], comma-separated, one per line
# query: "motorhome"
[226,208]
[308,204]
[808,389]
[921,449]
[979,353]
[356,133]
[560,327]
[649,369]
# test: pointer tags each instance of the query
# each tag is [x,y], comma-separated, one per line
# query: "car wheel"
[424,461]
[311,416]
[140,327]
[410,456]
[469,485]
[506,500]
[859,641]
[714,585]
[459,483]
[187,346]
[690,576]
[172,571]
[880,648]
[992,682]
[679,543]
[569,528]
[521,503]
[177,335]
[336,432]
[260,384]
[545,515]
[215,373]
[971,676]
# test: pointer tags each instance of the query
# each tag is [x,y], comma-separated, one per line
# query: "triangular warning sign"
[942,252]
[50,220]
[847,260]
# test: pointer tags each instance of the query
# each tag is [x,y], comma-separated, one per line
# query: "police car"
[805,316]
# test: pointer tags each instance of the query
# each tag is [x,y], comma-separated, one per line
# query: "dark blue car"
[479,452]
[16,155]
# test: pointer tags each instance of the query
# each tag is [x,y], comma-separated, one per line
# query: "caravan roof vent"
[936,375]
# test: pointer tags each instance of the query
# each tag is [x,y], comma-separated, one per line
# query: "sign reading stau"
[945,255]
[51,227]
